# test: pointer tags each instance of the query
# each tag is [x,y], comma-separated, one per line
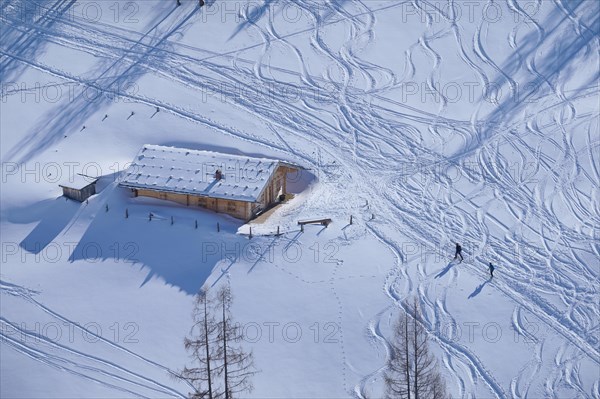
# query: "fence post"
[126,213]
[250,232]
[196,224]
[218,227]
[277,230]
[350,219]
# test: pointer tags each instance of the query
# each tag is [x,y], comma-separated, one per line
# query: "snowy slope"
[430,122]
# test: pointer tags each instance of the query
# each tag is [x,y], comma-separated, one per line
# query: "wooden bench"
[322,222]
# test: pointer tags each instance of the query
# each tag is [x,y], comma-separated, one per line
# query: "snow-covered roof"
[186,171]
[77,182]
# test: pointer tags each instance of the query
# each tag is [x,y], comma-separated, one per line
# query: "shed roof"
[77,182]
[185,171]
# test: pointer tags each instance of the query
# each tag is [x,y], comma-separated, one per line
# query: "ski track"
[52,358]
[54,361]
[7,288]
[362,126]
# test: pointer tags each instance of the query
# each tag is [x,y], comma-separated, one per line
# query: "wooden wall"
[237,209]
[79,195]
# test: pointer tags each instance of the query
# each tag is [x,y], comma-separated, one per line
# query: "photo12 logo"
[69,332]
[469,11]
[489,332]
[290,332]
[55,172]
[54,92]
[81,11]
[53,252]
[293,252]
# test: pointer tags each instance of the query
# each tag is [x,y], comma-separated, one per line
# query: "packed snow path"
[475,130]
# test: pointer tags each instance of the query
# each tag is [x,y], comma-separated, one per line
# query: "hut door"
[277,188]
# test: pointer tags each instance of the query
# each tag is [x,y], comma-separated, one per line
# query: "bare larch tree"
[221,367]
[237,364]
[412,372]
[202,345]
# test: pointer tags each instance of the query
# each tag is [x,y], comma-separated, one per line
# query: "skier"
[491,270]
[458,252]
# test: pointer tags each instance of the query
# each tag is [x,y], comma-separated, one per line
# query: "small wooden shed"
[238,185]
[79,188]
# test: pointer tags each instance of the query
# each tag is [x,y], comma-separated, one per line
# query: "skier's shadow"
[445,270]
[479,288]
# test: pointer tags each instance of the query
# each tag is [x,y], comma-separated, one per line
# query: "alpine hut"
[240,186]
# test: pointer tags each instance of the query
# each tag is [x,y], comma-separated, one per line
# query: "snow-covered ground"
[430,122]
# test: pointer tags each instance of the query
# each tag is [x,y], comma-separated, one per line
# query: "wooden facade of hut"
[79,188]
[236,185]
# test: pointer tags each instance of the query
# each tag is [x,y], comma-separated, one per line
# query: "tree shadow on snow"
[564,49]
[110,80]
[20,38]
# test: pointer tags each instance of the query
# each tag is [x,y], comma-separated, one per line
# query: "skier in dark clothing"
[458,252]
[491,270]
